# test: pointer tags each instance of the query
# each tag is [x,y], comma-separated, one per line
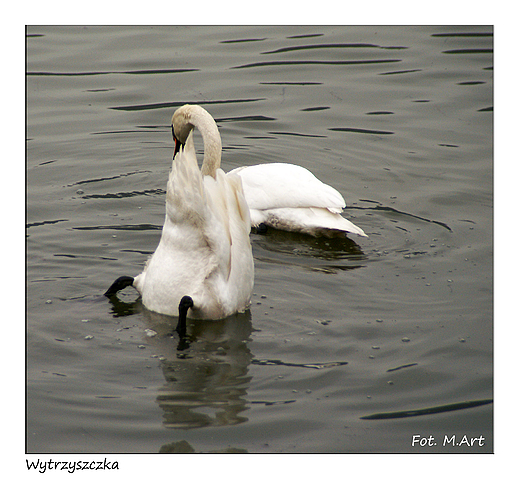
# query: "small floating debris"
[88,336]
[150,333]
[405,340]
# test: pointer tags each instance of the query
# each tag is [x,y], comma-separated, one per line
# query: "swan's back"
[204,250]
[289,197]
[284,185]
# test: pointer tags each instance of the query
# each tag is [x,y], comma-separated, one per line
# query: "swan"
[203,265]
[281,195]
[289,197]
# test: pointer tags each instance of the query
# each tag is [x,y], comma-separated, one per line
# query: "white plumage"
[204,252]
[289,197]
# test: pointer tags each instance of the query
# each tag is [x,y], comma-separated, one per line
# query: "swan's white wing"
[313,221]
[236,271]
[291,198]
[284,185]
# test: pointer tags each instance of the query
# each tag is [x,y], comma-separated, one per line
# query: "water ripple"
[307,35]
[125,194]
[469,50]
[176,104]
[107,178]
[278,362]
[391,370]
[315,62]
[400,72]
[331,45]
[429,410]
[316,108]
[463,34]
[380,113]
[298,83]
[138,227]
[380,207]
[124,72]
[288,133]
[245,118]
[244,40]
[362,130]
[42,223]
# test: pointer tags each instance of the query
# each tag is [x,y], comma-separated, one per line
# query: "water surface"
[351,345]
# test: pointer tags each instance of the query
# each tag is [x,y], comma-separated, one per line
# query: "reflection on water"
[184,447]
[207,379]
[328,255]
[122,307]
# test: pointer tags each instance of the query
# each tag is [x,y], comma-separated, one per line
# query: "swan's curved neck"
[204,122]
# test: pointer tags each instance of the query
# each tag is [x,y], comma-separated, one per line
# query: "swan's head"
[182,125]
[184,120]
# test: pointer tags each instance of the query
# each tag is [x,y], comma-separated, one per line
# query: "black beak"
[176,142]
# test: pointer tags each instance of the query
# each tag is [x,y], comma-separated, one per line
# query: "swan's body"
[204,252]
[291,198]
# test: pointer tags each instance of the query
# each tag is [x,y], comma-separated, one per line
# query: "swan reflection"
[321,254]
[206,381]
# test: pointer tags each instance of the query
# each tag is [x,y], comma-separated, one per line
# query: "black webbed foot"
[185,304]
[120,283]
[261,229]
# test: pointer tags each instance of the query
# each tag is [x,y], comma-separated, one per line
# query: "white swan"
[203,265]
[282,195]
